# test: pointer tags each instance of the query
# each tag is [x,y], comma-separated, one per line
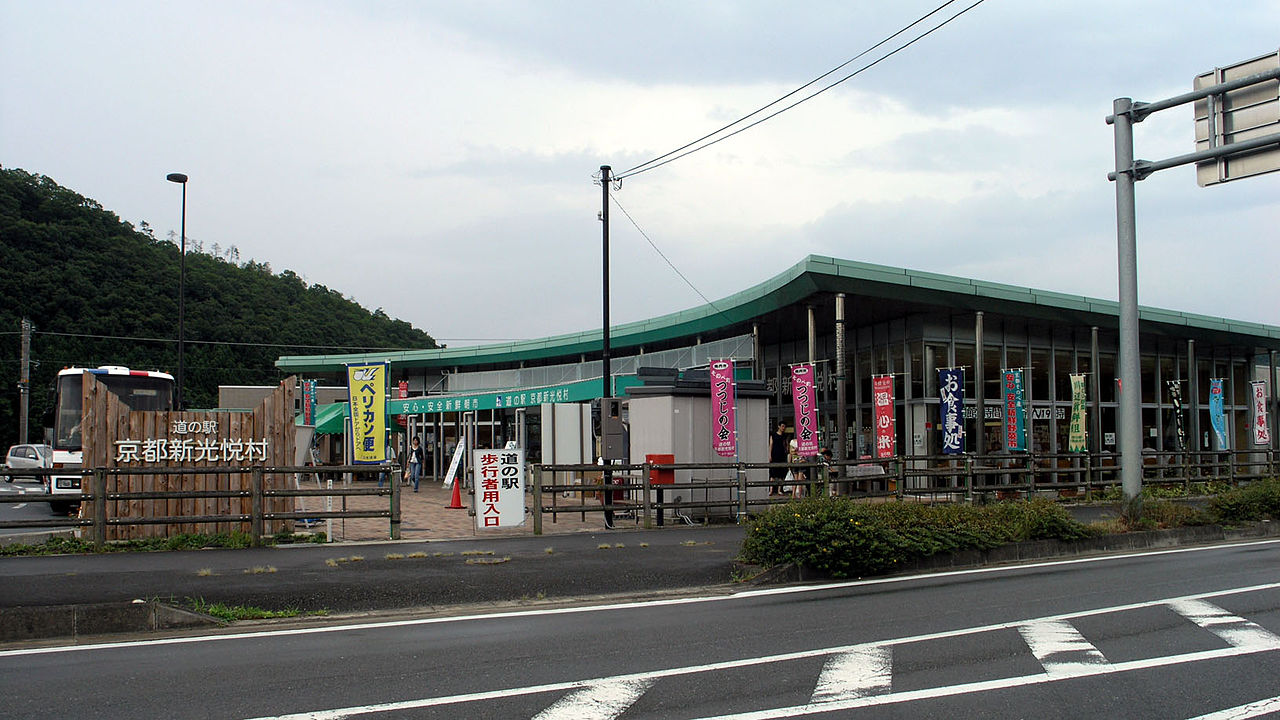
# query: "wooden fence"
[121,440]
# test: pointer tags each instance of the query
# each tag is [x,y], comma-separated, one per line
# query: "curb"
[54,621]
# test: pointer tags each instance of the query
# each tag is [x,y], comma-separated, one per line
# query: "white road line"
[1244,712]
[623,606]
[1234,629]
[339,713]
[1060,648]
[969,688]
[867,670]
[602,701]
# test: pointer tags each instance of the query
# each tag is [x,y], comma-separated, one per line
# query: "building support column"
[842,419]
[1095,381]
[1193,381]
[979,387]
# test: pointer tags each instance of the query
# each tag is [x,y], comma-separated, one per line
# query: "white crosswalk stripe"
[1061,649]
[603,701]
[861,672]
[1235,630]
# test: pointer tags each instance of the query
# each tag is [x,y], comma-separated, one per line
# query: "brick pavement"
[424,516]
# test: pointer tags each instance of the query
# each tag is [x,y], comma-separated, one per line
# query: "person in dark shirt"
[777,454]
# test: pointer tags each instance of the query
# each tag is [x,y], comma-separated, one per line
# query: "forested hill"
[101,292]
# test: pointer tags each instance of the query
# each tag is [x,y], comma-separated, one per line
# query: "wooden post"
[537,499]
[648,510]
[99,507]
[255,507]
[968,479]
[394,475]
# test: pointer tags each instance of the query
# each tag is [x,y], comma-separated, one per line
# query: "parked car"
[22,457]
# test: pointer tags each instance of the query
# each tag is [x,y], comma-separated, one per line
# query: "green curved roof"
[813,275]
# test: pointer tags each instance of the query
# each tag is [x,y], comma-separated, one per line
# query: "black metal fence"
[95,496]
[632,493]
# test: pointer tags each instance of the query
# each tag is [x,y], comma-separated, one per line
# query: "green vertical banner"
[1076,441]
[1015,412]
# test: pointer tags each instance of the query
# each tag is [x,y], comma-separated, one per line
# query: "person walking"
[414,471]
[777,454]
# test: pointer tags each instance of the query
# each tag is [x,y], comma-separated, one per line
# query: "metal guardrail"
[97,497]
[965,477]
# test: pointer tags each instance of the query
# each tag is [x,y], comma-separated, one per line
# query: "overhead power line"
[220,342]
[695,146]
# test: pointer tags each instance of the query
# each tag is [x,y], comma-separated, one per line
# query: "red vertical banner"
[724,439]
[882,401]
[805,408]
[402,393]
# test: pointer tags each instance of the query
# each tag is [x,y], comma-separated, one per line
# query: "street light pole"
[605,371]
[182,285]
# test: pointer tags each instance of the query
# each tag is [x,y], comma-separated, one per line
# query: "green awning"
[331,419]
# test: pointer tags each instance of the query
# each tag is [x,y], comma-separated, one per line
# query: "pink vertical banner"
[1261,428]
[724,439]
[882,402]
[806,410]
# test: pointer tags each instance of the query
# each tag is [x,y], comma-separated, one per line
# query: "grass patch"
[644,545]
[603,546]
[619,545]
[487,560]
[417,554]
[232,613]
[260,570]
[183,541]
[549,551]
[393,556]
[204,572]
[476,552]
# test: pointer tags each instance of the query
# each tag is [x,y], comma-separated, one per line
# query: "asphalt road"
[1176,634]
[23,510]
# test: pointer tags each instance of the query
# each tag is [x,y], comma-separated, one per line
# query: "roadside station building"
[887,320]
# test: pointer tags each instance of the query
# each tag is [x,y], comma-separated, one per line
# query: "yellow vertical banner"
[367,388]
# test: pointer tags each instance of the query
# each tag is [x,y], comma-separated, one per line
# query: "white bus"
[139,389]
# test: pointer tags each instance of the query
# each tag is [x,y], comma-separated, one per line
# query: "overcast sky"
[435,159]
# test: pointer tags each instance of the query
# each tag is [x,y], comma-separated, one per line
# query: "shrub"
[845,538]
[1258,500]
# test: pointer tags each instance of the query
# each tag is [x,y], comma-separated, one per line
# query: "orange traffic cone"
[456,502]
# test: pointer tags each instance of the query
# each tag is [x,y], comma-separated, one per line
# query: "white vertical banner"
[499,488]
[1261,428]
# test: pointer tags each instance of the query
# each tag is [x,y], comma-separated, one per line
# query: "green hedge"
[844,538]
[1259,500]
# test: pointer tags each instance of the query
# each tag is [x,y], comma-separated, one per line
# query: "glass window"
[1039,374]
[1147,366]
[1062,370]
[914,350]
[991,366]
[1107,377]
[964,359]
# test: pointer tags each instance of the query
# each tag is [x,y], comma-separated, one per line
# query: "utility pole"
[605,371]
[24,381]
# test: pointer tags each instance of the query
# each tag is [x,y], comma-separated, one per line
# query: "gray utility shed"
[670,413]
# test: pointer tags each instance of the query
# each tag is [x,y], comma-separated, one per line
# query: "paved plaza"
[424,515]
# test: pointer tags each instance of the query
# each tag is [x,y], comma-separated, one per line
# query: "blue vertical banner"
[1216,416]
[951,409]
[1015,413]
